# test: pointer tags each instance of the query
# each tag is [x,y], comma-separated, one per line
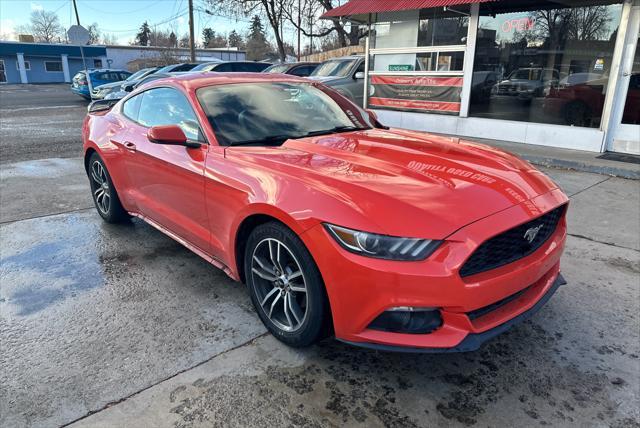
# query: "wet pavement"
[118,325]
[123,324]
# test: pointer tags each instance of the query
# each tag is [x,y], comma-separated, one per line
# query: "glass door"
[626,138]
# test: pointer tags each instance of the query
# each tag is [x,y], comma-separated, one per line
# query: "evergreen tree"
[207,36]
[173,40]
[235,40]
[143,36]
[257,45]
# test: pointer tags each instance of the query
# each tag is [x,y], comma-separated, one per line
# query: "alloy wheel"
[101,190]
[280,284]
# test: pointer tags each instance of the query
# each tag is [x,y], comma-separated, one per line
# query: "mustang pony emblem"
[531,233]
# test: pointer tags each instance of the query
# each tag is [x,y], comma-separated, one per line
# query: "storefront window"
[549,65]
[420,40]
[421,28]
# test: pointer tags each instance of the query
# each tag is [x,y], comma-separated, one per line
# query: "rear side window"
[250,67]
[303,71]
[131,107]
[167,106]
[223,68]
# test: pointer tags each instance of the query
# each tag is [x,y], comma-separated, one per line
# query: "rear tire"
[285,285]
[104,194]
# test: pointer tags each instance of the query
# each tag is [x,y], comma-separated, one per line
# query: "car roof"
[344,58]
[193,81]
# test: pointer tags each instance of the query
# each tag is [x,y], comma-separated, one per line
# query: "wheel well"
[87,156]
[245,229]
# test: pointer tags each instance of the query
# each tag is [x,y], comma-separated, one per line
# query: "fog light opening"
[408,319]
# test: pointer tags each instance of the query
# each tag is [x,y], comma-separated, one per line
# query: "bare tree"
[273,10]
[44,26]
[589,23]
[94,34]
[312,26]
[109,39]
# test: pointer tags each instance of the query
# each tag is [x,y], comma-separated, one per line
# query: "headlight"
[382,246]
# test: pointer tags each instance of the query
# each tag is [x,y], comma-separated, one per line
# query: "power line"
[86,4]
[165,21]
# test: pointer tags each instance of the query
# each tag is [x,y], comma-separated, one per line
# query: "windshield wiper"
[345,128]
[266,140]
[282,138]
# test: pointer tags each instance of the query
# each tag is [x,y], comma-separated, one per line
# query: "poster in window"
[444,62]
[416,93]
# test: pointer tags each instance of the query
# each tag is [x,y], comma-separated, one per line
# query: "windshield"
[138,74]
[334,68]
[278,68]
[271,113]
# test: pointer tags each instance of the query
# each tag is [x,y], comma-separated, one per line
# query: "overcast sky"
[122,18]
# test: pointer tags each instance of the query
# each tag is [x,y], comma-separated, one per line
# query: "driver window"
[167,106]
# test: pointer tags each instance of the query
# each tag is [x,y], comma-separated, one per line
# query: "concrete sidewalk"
[577,160]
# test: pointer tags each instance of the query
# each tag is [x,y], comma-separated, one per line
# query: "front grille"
[512,245]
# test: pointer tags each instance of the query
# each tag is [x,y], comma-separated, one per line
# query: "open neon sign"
[519,24]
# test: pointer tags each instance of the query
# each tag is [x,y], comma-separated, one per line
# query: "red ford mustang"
[391,239]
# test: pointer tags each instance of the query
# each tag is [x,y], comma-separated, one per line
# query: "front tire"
[104,194]
[285,285]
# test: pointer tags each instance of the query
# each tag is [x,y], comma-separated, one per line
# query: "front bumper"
[360,288]
[473,341]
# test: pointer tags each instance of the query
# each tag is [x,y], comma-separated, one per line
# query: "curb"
[579,166]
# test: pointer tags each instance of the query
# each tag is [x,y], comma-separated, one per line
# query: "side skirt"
[209,258]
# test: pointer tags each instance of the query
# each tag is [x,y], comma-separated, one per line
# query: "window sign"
[416,93]
[400,67]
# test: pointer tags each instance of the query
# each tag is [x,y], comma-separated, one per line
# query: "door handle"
[129,146]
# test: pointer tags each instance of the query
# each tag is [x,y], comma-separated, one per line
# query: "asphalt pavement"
[118,325]
[39,122]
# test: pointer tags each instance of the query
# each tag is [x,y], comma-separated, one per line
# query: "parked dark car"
[100,92]
[302,69]
[185,66]
[233,66]
[80,85]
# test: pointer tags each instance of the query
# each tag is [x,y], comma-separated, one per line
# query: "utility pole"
[192,42]
[84,63]
[299,23]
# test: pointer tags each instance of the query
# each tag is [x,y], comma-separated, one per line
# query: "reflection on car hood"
[434,184]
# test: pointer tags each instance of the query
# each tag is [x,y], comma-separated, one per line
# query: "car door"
[167,181]
[355,86]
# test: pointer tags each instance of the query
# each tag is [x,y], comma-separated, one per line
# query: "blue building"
[46,63]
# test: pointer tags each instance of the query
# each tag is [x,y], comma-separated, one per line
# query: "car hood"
[405,183]
[324,79]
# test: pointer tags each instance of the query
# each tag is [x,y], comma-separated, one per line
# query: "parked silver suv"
[345,74]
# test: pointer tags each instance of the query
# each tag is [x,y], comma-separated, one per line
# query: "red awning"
[365,7]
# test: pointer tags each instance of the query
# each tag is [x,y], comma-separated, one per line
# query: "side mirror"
[171,135]
[372,115]
[128,88]
[359,75]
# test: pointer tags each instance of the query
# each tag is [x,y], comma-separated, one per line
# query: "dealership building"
[57,63]
[556,73]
